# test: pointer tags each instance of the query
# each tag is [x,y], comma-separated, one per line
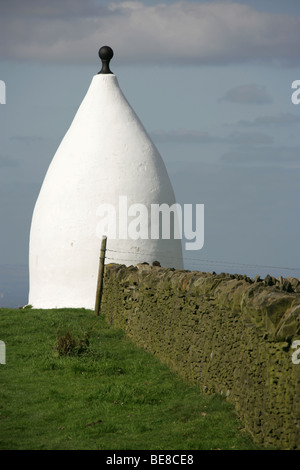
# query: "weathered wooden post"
[100,275]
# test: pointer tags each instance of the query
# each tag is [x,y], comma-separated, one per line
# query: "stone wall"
[227,334]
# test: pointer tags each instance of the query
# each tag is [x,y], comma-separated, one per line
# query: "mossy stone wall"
[227,334]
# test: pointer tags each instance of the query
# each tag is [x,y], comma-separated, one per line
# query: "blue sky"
[211,82]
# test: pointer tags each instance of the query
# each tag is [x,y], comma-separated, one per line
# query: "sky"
[211,82]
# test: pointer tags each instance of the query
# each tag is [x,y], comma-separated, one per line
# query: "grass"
[106,394]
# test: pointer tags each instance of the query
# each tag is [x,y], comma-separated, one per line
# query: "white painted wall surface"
[106,153]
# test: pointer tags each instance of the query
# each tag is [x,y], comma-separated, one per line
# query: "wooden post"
[100,276]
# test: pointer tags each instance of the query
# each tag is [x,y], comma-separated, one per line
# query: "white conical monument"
[106,157]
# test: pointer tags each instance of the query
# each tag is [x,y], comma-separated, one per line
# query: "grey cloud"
[184,136]
[247,94]
[195,33]
[280,119]
[27,139]
[249,138]
[8,162]
[43,9]
[283,157]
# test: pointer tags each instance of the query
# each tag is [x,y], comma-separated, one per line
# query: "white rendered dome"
[105,157]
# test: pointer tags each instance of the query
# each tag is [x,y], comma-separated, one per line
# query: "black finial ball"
[106,54]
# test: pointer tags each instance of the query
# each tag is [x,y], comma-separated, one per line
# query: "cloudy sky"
[212,83]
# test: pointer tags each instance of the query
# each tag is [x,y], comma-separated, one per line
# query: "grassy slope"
[113,396]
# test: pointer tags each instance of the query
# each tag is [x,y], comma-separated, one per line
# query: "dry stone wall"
[226,333]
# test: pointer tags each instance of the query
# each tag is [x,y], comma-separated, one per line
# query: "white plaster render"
[106,153]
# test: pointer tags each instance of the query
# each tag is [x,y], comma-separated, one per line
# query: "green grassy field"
[73,382]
